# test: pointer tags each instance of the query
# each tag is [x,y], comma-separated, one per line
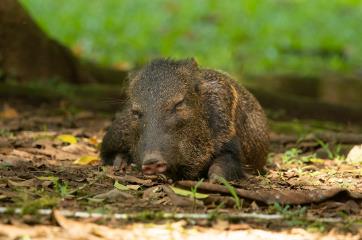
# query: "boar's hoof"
[214,178]
[120,163]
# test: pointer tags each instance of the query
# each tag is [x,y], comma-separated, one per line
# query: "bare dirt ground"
[53,187]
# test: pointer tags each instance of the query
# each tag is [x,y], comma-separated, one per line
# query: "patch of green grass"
[297,217]
[304,127]
[286,210]
[60,187]
[6,133]
[351,224]
[317,226]
[293,155]
[32,206]
[146,216]
[332,154]
[31,201]
[257,37]
[289,127]
[6,166]
[293,217]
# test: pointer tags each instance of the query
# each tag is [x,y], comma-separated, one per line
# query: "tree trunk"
[27,53]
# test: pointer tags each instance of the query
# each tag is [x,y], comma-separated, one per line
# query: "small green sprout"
[231,189]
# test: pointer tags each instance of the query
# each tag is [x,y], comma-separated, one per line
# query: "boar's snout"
[153,163]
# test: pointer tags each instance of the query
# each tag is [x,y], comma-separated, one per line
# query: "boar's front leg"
[115,145]
[225,166]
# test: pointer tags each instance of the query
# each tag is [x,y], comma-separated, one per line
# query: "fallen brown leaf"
[27,183]
[8,112]
[114,195]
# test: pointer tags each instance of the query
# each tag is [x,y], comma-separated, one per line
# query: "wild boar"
[188,123]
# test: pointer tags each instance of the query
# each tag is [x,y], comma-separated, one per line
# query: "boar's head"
[169,123]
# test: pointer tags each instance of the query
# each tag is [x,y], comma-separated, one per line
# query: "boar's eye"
[137,113]
[179,106]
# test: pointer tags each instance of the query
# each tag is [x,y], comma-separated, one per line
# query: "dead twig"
[271,196]
[164,215]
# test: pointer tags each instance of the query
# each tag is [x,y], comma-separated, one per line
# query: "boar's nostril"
[161,167]
[154,167]
[148,169]
[153,163]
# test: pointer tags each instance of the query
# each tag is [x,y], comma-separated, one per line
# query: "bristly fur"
[220,130]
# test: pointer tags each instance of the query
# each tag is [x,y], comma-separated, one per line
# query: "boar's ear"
[132,78]
[132,74]
[188,67]
[192,63]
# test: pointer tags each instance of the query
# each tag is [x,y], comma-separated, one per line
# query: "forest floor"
[52,186]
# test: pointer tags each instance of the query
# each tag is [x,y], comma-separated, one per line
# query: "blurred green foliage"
[253,36]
